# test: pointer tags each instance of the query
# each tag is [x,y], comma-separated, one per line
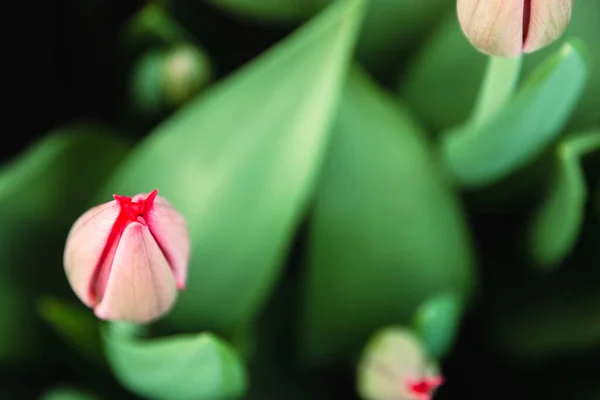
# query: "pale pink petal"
[495,27]
[141,287]
[84,246]
[549,19]
[170,231]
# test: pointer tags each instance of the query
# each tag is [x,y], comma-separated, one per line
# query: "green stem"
[499,84]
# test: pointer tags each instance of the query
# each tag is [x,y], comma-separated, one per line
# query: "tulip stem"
[499,84]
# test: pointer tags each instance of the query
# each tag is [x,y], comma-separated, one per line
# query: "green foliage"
[369,200]
[386,231]
[183,367]
[437,322]
[41,193]
[479,154]
[564,206]
[215,167]
[442,82]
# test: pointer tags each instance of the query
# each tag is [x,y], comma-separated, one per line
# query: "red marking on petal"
[422,389]
[130,211]
[149,205]
[526,19]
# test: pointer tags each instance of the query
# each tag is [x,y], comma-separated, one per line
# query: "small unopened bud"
[507,28]
[395,366]
[127,258]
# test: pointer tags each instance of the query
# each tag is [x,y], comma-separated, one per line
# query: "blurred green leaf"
[67,393]
[437,322]
[481,154]
[387,232]
[42,192]
[240,163]
[182,367]
[281,11]
[442,82]
[556,224]
[392,27]
[76,324]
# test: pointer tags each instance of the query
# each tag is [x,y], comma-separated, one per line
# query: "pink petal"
[494,27]
[141,286]
[84,246]
[170,231]
[548,20]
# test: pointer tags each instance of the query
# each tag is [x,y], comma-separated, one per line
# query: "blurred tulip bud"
[394,366]
[127,258]
[507,28]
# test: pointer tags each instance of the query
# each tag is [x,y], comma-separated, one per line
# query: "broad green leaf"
[76,324]
[442,82]
[42,192]
[437,322]
[479,154]
[67,393]
[555,226]
[240,163]
[386,232]
[181,367]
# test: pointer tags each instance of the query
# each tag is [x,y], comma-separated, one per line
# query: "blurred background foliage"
[341,171]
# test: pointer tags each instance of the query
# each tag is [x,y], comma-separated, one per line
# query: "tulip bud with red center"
[508,28]
[127,258]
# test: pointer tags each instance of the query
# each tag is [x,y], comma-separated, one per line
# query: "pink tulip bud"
[127,258]
[507,28]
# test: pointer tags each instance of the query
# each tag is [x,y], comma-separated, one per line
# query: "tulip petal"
[141,286]
[548,20]
[85,244]
[495,27]
[170,232]
[391,359]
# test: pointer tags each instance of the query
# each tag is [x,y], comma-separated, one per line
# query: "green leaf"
[442,91]
[481,154]
[67,393]
[42,192]
[392,27]
[387,232]
[182,367]
[282,11]
[437,322]
[76,324]
[556,224]
[240,163]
